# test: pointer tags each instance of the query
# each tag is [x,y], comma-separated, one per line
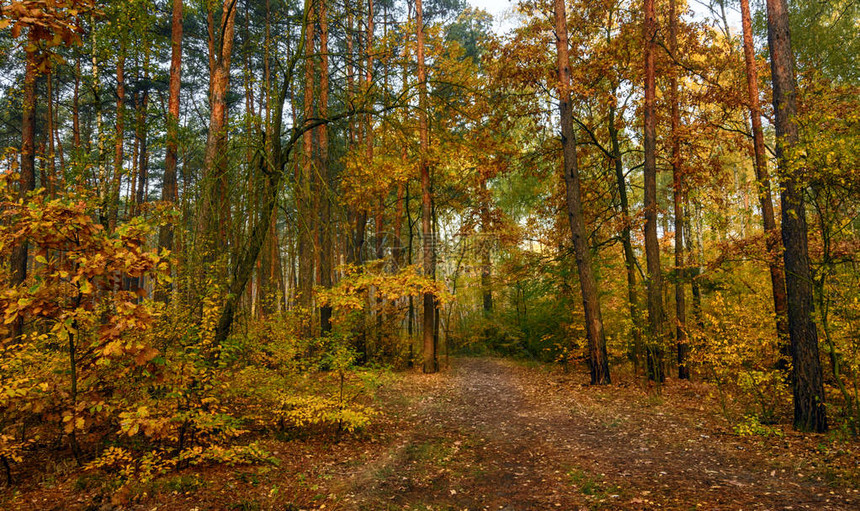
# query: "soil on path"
[492,434]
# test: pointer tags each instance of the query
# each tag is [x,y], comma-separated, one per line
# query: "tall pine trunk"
[807,386]
[116,181]
[682,343]
[27,174]
[597,357]
[213,209]
[777,276]
[652,247]
[326,231]
[430,363]
[306,171]
[169,188]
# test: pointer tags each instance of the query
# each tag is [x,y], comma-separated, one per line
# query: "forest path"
[492,434]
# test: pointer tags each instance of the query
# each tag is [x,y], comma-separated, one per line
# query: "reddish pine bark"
[652,247]
[777,276]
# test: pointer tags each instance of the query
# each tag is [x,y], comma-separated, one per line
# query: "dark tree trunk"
[486,249]
[27,174]
[626,242]
[116,181]
[326,231]
[807,387]
[597,357]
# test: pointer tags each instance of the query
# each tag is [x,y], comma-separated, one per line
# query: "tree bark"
[169,187]
[76,116]
[215,153]
[807,386]
[626,241]
[326,231]
[430,363]
[777,276]
[50,131]
[652,247]
[681,341]
[597,357]
[113,197]
[303,192]
[485,248]
[27,174]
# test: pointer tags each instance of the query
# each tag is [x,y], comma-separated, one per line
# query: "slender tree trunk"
[430,363]
[807,386]
[410,252]
[397,242]
[486,249]
[368,118]
[113,198]
[215,153]
[626,241]
[143,154]
[101,181]
[652,247]
[55,123]
[306,223]
[135,153]
[76,118]
[169,188]
[678,194]
[326,231]
[49,117]
[27,174]
[380,255]
[777,276]
[597,357]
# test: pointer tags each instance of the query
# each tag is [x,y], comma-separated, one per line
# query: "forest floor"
[496,434]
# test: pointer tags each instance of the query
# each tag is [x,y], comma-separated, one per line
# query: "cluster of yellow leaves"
[302,411]
[51,23]
[85,334]
[740,357]
[129,466]
[350,294]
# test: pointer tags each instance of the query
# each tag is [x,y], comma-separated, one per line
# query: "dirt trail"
[495,435]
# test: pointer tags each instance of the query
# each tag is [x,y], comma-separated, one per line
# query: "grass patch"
[180,484]
[435,450]
[592,485]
